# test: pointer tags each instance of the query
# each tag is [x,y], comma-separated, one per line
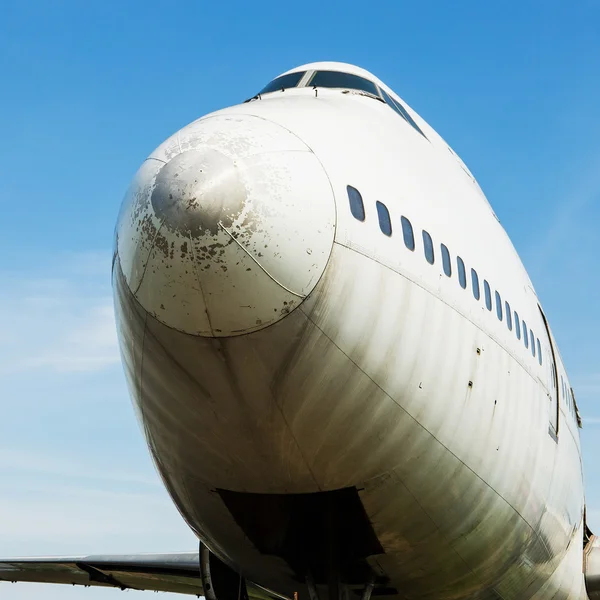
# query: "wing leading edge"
[177,573]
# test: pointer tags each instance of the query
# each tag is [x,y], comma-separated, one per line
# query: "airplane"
[343,372]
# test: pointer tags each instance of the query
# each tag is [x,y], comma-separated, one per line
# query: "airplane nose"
[226,227]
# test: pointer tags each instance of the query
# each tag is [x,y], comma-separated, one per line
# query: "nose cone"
[197,191]
[226,227]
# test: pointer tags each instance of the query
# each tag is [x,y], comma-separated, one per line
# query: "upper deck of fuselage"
[364,141]
[359,115]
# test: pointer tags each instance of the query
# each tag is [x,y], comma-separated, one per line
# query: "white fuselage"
[275,344]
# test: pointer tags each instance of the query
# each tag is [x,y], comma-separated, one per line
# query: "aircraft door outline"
[554,408]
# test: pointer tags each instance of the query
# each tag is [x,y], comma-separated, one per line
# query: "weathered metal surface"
[386,375]
[227,232]
[591,567]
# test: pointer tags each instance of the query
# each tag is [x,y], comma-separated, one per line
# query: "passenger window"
[517,325]
[488,294]
[508,316]
[532,338]
[525,338]
[428,247]
[475,282]
[462,275]
[407,232]
[539,348]
[357,208]
[499,306]
[384,218]
[446,261]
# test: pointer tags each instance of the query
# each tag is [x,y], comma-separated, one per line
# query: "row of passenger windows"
[503,310]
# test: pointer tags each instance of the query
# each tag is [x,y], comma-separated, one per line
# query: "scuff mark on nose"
[197,190]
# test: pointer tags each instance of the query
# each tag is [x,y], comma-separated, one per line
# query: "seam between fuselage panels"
[139,376]
[466,317]
[420,425]
[212,331]
[493,338]
[534,532]
[456,310]
[244,249]
[394,401]
[139,285]
[335,212]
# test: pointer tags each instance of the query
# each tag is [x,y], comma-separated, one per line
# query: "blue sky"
[90,88]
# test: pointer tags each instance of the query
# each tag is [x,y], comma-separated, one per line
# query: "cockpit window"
[335,79]
[397,106]
[285,81]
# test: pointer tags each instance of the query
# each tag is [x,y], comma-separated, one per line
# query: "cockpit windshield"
[339,80]
[285,81]
[336,79]
[397,106]
[323,79]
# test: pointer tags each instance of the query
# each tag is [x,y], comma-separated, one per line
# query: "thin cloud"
[75,521]
[593,515]
[84,342]
[60,321]
[59,495]
[34,463]
[588,385]
[570,213]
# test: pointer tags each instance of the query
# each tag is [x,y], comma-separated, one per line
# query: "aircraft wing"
[178,572]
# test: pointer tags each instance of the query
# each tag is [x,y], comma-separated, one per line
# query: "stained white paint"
[389,377]
[342,358]
[227,226]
